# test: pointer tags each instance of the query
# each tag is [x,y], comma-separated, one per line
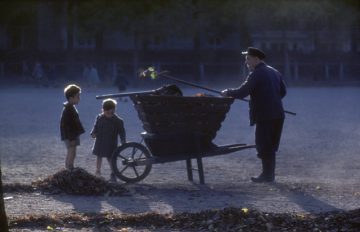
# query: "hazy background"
[310,42]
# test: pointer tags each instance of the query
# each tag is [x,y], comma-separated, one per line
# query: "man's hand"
[226,92]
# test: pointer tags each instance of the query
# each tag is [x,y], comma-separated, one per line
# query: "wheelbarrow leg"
[200,170]
[189,169]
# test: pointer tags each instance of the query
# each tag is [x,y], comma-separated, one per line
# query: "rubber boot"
[269,163]
[261,176]
[268,167]
[272,165]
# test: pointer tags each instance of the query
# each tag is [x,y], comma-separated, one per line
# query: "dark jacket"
[266,89]
[70,125]
[107,131]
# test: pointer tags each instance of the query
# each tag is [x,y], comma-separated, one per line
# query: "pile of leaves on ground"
[18,188]
[76,182]
[228,219]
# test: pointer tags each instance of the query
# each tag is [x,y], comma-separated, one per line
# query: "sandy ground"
[318,164]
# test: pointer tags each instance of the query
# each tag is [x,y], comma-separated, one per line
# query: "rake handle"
[166,76]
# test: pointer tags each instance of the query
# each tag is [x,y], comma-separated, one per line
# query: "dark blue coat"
[266,89]
[70,125]
[107,131]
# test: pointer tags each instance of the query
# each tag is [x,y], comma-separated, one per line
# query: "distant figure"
[38,74]
[85,74]
[93,76]
[70,125]
[266,88]
[26,73]
[52,78]
[121,82]
[107,127]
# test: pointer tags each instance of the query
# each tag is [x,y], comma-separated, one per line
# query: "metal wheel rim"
[129,152]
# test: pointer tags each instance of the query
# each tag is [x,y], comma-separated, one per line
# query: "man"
[266,88]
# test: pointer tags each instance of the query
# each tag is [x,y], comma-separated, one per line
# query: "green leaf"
[153,75]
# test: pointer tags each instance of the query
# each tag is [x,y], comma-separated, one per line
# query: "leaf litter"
[75,182]
[227,219]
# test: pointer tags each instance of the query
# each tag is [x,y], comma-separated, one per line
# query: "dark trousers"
[267,140]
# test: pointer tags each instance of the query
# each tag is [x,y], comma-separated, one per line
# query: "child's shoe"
[98,174]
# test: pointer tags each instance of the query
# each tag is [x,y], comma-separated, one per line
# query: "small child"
[70,125]
[108,126]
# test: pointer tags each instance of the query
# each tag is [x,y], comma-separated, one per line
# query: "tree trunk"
[3,219]
[287,71]
[354,46]
[99,40]
[136,57]
[245,36]
[196,41]
[70,20]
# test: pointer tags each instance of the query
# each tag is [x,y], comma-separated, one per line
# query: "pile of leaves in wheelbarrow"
[76,182]
[228,219]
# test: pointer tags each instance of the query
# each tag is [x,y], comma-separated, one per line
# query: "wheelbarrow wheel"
[123,162]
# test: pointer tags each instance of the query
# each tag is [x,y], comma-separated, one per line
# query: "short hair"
[109,104]
[71,91]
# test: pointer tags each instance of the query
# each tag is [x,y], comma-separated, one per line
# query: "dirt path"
[175,198]
[318,166]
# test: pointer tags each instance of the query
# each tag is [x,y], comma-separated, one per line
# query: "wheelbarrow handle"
[127,94]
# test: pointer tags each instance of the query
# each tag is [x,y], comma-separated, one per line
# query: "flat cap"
[254,52]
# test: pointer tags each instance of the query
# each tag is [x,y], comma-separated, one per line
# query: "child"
[108,126]
[70,125]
